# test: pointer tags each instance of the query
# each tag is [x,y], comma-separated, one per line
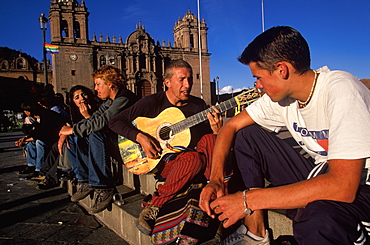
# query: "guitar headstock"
[248,96]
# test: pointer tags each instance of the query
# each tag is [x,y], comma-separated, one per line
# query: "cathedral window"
[64,28]
[20,63]
[142,62]
[191,41]
[111,60]
[76,30]
[4,65]
[103,60]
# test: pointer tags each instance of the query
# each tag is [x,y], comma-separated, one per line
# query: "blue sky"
[337,31]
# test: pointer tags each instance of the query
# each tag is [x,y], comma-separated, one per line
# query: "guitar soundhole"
[165,133]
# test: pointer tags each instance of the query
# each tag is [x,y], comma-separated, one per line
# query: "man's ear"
[282,69]
[167,82]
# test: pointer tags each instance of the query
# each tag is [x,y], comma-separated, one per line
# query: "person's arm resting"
[223,145]
[340,183]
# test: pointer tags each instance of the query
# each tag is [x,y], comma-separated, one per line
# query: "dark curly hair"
[74,110]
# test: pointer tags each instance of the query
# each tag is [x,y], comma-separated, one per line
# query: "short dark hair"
[27,106]
[179,63]
[32,106]
[280,43]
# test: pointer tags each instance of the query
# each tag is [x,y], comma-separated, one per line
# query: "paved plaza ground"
[32,216]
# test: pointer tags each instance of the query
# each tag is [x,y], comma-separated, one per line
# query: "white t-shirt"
[334,125]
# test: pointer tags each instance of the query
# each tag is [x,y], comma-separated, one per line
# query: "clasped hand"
[21,142]
[228,209]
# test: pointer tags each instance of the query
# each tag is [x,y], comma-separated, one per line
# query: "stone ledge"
[279,223]
[121,219]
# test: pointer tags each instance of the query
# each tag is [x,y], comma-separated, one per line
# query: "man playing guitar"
[178,169]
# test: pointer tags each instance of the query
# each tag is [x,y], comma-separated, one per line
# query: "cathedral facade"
[140,57]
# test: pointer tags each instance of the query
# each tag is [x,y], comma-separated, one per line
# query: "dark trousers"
[262,155]
[49,168]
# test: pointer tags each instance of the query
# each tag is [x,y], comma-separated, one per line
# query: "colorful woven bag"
[181,220]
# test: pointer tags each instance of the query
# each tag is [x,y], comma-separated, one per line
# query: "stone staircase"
[133,189]
[121,218]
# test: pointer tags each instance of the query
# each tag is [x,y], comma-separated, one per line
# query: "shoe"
[74,181]
[45,185]
[240,237]
[146,220]
[65,176]
[213,241]
[102,198]
[32,175]
[27,170]
[39,177]
[82,191]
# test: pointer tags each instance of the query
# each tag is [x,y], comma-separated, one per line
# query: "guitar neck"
[201,116]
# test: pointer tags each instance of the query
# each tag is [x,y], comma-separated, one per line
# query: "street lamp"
[43,24]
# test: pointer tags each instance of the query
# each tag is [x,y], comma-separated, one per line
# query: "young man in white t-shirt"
[327,113]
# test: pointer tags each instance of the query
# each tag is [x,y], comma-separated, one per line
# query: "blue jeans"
[31,153]
[93,159]
[36,154]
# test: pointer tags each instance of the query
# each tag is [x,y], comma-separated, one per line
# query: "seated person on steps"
[327,113]
[178,172]
[29,145]
[82,104]
[44,134]
[97,143]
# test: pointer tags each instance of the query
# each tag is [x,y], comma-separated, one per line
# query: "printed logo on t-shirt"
[321,137]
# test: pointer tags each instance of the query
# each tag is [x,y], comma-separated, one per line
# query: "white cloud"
[229,89]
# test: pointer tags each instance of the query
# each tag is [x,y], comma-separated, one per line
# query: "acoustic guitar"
[172,130]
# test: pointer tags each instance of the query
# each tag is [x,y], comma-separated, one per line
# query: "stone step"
[279,223]
[121,219]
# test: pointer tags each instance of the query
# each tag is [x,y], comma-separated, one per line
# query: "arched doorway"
[144,88]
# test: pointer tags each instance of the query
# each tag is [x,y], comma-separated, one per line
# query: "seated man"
[327,113]
[44,134]
[183,167]
[97,144]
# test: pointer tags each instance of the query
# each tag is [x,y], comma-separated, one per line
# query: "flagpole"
[263,16]
[200,53]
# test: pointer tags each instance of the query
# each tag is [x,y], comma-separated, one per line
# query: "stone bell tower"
[69,30]
[186,33]
[68,21]
[190,36]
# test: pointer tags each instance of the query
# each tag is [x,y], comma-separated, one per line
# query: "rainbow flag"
[53,49]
